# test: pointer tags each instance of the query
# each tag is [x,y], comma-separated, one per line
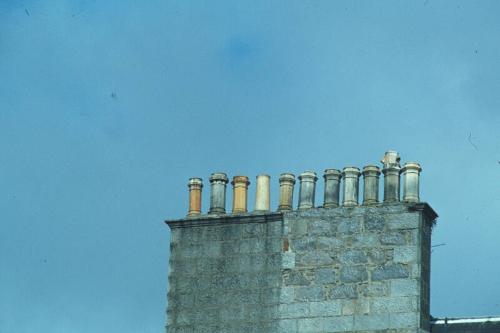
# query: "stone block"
[349,225]
[314,259]
[405,254]
[325,308]
[309,325]
[376,256]
[288,260]
[404,320]
[325,276]
[287,294]
[374,289]
[321,227]
[374,222]
[295,278]
[352,257]
[350,274]
[287,325]
[298,227]
[293,310]
[343,291]
[328,243]
[393,304]
[309,293]
[338,324]
[392,238]
[404,287]
[402,221]
[371,322]
[303,244]
[391,271]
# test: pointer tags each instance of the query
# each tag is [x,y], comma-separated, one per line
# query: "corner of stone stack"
[361,269]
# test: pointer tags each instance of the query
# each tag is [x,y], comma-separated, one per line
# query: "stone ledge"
[228,219]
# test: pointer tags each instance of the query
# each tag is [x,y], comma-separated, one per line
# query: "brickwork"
[358,269]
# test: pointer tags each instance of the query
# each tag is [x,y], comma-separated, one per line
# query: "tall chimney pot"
[351,185]
[262,194]
[371,174]
[240,190]
[307,189]
[287,182]
[332,188]
[195,185]
[411,174]
[218,183]
[391,172]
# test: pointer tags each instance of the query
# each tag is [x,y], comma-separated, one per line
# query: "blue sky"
[108,107]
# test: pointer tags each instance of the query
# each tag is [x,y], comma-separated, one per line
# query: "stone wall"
[355,270]
[359,269]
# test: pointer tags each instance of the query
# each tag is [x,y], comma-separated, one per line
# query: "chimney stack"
[307,189]
[351,185]
[391,176]
[240,188]
[411,175]
[218,183]
[332,188]
[262,193]
[287,181]
[371,174]
[195,185]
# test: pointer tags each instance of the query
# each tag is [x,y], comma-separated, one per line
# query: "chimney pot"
[262,193]
[411,179]
[240,188]
[391,172]
[287,182]
[351,185]
[218,181]
[307,189]
[332,188]
[371,174]
[195,185]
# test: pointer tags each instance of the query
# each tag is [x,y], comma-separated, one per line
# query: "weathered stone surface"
[344,291]
[325,276]
[355,269]
[295,278]
[349,274]
[352,257]
[391,271]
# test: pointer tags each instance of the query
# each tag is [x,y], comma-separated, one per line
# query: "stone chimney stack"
[350,268]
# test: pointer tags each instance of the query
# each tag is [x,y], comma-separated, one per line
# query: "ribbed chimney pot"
[195,185]
[287,182]
[411,179]
[351,185]
[307,189]
[240,190]
[371,174]
[332,188]
[262,194]
[391,172]
[218,183]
